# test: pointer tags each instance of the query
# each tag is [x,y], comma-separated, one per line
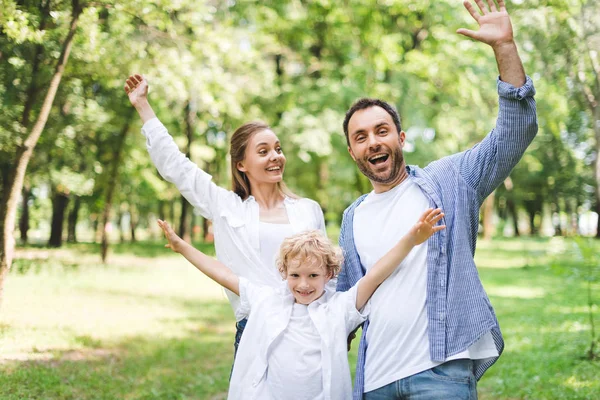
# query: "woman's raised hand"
[136,88]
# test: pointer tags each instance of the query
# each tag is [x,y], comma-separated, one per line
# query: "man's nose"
[373,142]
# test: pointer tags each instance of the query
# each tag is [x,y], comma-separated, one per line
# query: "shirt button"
[255,384]
[442,316]
[442,283]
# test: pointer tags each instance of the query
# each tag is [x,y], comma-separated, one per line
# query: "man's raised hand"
[495,27]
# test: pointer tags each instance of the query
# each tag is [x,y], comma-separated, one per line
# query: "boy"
[294,345]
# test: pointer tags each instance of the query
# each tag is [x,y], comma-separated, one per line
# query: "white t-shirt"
[295,359]
[333,316]
[397,338]
[271,236]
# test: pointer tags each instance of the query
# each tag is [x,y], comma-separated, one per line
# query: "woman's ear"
[240,166]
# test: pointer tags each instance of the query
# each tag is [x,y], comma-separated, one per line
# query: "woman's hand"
[136,88]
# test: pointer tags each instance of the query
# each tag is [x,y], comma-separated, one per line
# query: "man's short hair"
[366,102]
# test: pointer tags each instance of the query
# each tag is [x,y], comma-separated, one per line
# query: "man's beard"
[396,160]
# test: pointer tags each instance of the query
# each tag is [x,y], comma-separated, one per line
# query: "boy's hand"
[136,88]
[175,242]
[425,227]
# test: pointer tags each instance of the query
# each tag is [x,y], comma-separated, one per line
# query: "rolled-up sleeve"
[489,162]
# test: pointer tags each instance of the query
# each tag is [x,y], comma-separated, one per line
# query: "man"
[432,332]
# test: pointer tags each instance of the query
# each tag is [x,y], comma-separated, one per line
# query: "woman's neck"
[268,196]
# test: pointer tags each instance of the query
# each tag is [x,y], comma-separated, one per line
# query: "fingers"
[492,5]
[132,82]
[438,228]
[501,5]
[433,216]
[426,214]
[471,10]
[481,6]
[467,33]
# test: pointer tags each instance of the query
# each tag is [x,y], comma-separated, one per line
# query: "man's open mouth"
[378,159]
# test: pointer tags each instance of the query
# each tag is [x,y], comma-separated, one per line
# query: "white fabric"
[334,316]
[295,370]
[398,343]
[235,221]
[271,236]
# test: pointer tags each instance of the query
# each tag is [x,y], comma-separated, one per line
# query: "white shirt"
[334,316]
[295,369]
[398,342]
[235,221]
[271,237]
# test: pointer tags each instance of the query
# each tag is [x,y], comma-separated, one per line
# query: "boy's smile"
[306,279]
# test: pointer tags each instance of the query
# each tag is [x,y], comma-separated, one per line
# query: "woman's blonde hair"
[308,246]
[237,150]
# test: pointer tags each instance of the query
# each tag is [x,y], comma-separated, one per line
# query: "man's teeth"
[377,157]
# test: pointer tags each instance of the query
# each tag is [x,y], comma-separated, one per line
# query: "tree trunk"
[120,223]
[72,221]
[112,183]
[512,208]
[59,205]
[133,222]
[12,188]
[24,220]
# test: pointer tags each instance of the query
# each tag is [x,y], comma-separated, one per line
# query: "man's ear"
[402,138]
[351,153]
[240,167]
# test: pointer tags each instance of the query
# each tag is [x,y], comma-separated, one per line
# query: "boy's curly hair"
[308,246]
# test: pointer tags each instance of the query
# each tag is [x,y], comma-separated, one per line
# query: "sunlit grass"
[149,326]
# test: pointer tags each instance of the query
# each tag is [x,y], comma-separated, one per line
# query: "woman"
[250,222]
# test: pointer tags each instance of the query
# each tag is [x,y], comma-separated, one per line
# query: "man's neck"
[384,187]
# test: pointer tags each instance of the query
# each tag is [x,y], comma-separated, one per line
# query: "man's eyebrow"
[379,125]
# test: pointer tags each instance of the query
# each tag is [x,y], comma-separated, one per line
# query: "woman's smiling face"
[264,161]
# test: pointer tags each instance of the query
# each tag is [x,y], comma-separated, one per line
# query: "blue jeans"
[452,380]
[239,329]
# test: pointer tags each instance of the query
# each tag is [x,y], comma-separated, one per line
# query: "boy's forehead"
[300,262]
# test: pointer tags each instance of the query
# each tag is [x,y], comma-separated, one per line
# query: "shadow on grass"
[193,365]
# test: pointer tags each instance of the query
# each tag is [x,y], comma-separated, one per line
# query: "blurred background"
[92,306]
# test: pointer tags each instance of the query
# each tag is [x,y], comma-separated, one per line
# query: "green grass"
[149,326]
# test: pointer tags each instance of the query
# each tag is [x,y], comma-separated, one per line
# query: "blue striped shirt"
[458,309]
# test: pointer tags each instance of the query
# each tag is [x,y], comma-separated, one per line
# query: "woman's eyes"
[264,152]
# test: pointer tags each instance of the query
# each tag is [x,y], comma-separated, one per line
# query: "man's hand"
[495,28]
[136,88]
[175,242]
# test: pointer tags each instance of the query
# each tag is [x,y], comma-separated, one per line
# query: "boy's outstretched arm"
[210,267]
[383,268]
